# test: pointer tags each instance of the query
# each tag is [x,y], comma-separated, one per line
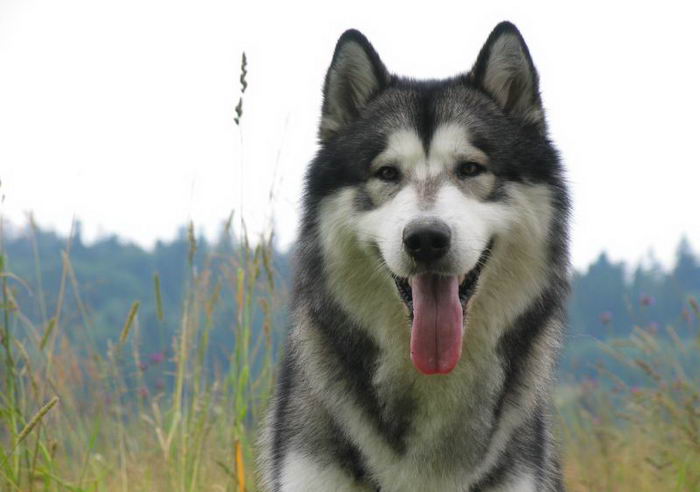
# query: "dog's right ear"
[355,76]
[504,69]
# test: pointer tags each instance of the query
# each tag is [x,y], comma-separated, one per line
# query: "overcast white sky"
[120,112]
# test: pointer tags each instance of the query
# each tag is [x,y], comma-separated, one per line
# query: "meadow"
[80,413]
[76,416]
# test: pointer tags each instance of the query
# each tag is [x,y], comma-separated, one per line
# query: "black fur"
[519,151]
[352,358]
[519,90]
[282,429]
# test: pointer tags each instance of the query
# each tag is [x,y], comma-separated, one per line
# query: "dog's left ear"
[355,76]
[505,70]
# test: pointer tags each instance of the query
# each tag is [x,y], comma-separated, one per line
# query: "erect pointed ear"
[355,76]
[505,70]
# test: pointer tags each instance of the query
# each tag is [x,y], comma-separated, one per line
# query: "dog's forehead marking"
[404,147]
[449,143]
[428,169]
[452,142]
[448,140]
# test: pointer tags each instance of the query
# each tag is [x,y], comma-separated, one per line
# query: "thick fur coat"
[431,279]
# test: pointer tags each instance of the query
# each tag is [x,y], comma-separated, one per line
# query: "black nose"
[426,241]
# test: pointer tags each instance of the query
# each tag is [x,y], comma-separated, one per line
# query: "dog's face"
[438,172]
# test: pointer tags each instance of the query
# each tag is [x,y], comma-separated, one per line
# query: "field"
[76,416]
[81,415]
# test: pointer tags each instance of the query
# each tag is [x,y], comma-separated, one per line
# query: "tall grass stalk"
[116,429]
[640,438]
[113,429]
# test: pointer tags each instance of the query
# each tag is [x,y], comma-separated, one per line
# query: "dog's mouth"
[438,304]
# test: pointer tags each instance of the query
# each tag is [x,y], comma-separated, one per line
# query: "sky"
[120,113]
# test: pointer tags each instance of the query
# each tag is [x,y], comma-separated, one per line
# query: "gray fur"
[351,412]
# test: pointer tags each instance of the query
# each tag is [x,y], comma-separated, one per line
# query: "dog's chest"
[444,423]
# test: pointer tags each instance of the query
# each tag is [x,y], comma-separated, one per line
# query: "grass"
[81,419]
[75,419]
[641,438]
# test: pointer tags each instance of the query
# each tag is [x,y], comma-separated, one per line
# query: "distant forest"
[609,299]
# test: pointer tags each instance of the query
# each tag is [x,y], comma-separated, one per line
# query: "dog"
[432,272]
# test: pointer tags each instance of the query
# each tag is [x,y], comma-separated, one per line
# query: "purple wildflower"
[589,384]
[647,300]
[157,357]
[143,392]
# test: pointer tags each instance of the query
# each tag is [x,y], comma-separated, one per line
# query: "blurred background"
[150,184]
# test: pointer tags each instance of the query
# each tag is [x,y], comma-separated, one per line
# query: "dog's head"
[431,174]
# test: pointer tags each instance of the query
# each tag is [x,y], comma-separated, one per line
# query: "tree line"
[609,299]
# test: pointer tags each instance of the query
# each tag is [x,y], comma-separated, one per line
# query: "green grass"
[640,438]
[77,418]
[73,418]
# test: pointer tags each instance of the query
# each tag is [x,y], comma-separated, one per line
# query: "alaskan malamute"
[431,278]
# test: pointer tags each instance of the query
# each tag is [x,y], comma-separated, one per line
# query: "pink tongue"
[436,336]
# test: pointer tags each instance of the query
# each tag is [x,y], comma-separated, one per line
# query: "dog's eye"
[469,169]
[389,174]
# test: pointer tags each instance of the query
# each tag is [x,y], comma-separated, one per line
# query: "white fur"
[301,474]
[403,148]
[517,271]
[450,144]
[360,281]
[362,284]
[471,221]
[524,483]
